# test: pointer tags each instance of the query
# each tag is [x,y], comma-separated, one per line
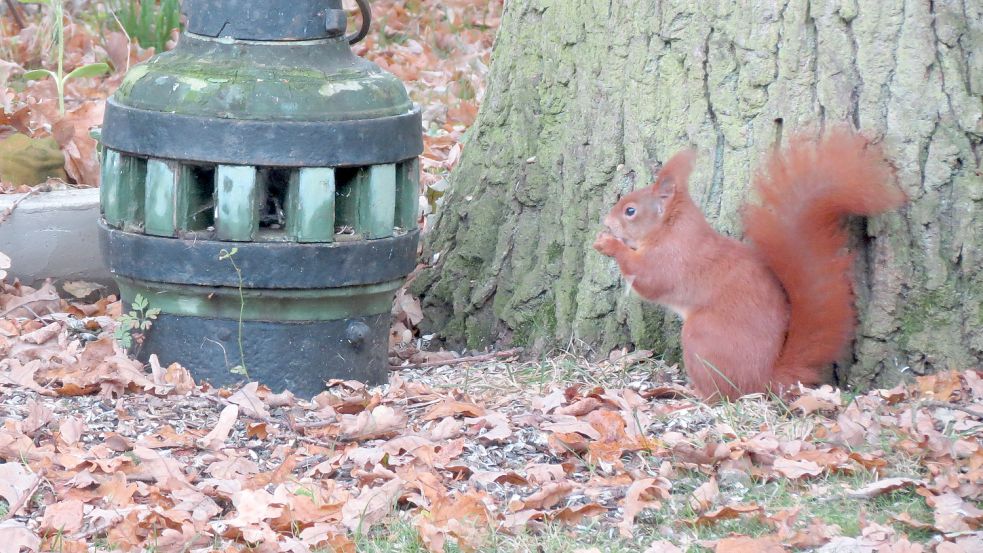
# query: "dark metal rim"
[363,30]
[264,143]
[279,305]
[270,265]
[269,20]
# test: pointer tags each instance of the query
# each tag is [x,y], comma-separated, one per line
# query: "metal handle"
[363,7]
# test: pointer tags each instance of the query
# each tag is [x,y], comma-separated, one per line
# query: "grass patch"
[399,536]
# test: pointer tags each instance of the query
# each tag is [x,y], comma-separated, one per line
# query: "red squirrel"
[763,315]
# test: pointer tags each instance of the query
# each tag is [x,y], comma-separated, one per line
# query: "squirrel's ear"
[674,174]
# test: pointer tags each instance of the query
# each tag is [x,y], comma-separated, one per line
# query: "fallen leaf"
[450,408]
[15,535]
[660,546]
[954,514]
[548,496]
[217,437]
[381,421]
[796,469]
[248,400]
[71,429]
[886,485]
[15,481]
[42,334]
[63,517]
[704,496]
[80,288]
[575,515]
[726,513]
[646,493]
[745,544]
[370,506]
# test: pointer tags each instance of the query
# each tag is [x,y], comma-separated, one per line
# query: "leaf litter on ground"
[98,447]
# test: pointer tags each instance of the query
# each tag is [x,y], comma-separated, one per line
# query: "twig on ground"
[947,405]
[471,359]
[15,13]
[5,214]
[25,307]
[24,498]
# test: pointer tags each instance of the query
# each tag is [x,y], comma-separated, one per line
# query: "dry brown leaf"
[451,408]
[575,515]
[660,546]
[448,428]
[939,386]
[727,512]
[370,506]
[22,375]
[705,496]
[42,301]
[249,402]
[540,473]
[71,429]
[174,378]
[226,420]
[81,289]
[254,507]
[117,491]
[902,546]
[907,520]
[462,518]
[15,481]
[380,422]
[795,469]
[745,544]
[566,424]
[42,334]
[547,497]
[815,534]
[954,514]
[15,535]
[157,466]
[63,517]
[38,416]
[886,485]
[184,539]
[821,399]
[257,430]
[646,493]
[972,543]
[327,536]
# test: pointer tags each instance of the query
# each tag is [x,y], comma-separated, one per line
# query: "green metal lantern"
[260,188]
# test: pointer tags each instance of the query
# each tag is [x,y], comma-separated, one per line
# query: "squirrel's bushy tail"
[805,191]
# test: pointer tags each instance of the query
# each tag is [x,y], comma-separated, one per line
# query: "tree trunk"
[585,94]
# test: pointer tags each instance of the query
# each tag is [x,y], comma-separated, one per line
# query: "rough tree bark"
[584,94]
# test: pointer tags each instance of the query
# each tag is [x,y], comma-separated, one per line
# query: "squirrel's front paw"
[606,243]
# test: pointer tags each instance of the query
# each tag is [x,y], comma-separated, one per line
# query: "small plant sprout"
[239,369]
[132,325]
[150,23]
[90,70]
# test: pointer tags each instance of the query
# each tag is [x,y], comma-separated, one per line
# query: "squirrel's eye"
[630,211]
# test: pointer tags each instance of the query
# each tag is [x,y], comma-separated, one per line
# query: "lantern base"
[295,356]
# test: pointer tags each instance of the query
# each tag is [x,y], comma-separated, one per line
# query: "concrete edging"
[54,235]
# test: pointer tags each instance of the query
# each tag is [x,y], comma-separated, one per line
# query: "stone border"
[54,235]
